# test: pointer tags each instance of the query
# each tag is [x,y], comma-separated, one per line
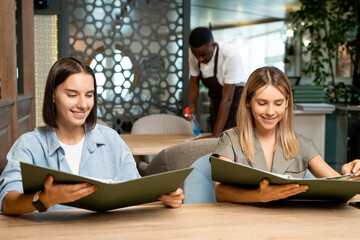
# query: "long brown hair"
[245,121]
[59,72]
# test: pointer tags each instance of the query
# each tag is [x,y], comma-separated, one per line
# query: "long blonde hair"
[245,120]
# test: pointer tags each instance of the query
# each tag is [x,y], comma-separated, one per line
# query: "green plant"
[329,24]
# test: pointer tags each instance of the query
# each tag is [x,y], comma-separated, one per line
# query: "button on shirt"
[105,156]
[230,66]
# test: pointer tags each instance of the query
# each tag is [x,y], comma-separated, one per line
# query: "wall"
[46,53]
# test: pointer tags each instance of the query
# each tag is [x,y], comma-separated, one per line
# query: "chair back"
[177,157]
[161,124]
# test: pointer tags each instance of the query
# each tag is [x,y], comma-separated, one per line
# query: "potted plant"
[330,25]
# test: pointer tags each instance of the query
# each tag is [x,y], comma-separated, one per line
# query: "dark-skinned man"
[219,67]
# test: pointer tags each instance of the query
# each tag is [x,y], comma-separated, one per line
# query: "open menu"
[337,189]
[109,195]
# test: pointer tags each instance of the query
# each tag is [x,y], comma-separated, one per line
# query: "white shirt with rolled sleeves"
[230,66]
[105,156]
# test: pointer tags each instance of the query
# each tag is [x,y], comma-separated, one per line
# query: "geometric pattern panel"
[135,48]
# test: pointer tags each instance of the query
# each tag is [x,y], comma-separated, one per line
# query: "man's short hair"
[200,36]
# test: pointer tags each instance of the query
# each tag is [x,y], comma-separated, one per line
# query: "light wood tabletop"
[148,144]
[278,220]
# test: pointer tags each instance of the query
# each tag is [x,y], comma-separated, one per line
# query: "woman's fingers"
[270,192]
[351,167]
[285,193]
[173,199]
[64,193]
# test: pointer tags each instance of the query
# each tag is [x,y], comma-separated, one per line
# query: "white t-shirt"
[230,67]
[73,155]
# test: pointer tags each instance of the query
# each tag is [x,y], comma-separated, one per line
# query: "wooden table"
[148,144]
[280,220]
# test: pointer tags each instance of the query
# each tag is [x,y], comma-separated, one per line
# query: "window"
[259,45]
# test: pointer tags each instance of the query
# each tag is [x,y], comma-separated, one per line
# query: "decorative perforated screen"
[136,50]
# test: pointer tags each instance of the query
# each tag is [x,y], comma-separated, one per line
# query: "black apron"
[215,94]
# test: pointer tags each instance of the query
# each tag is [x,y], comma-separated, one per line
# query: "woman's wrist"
[258,196]
[43,197]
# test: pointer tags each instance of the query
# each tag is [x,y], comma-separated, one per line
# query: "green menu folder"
[109,195]
[232,173]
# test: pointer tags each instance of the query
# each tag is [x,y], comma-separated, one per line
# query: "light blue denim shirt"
[105,156]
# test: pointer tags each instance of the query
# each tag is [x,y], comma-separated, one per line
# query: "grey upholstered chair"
[160,124]
[177,157]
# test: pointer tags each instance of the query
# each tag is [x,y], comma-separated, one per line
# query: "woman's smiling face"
[268,106]
[74,100]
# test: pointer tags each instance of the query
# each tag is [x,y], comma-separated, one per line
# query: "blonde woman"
[264,138]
